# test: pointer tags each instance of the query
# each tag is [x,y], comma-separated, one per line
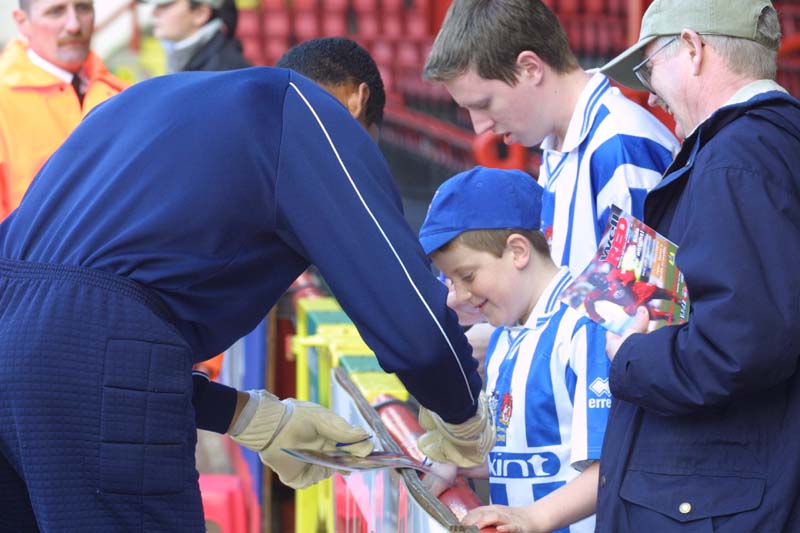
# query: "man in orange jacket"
[40,104]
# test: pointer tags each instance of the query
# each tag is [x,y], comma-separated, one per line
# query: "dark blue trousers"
[97,428]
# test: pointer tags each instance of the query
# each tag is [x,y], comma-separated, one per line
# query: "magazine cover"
[634,266]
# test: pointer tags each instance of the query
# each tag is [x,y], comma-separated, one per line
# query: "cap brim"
[620,69]
[431,243]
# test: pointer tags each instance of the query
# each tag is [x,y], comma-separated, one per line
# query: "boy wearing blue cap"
[546,368]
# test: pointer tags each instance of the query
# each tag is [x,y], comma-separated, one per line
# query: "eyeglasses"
[643,72]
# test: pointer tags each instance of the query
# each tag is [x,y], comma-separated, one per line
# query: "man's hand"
[640,323]
[465,444]
[290,423]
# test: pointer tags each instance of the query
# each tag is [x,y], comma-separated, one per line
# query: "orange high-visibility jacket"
[37,113]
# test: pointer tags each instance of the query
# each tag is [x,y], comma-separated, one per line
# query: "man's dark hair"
[334,61]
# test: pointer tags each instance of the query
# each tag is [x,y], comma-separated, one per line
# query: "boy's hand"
[441,477]
[640,323]
[505,519]
[466,444]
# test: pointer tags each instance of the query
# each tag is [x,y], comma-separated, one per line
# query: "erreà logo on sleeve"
[602,390]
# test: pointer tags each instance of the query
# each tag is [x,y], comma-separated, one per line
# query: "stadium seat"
[274,48]
[274,5]
[306,25]
[392,25]
[367,26]
[276,24]
[253,49]
[365,6]
[417,24]
[391,6]
[334,24]
[223,503]
[248,24]
[335,5]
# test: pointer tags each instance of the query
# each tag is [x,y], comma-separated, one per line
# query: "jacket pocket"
[689,499]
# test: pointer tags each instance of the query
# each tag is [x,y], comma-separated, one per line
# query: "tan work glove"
[275,424]
[465,444]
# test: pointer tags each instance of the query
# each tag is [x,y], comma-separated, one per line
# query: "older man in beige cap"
[703,432]
[198,34]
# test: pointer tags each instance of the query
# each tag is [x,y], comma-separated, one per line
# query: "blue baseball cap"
[481,198]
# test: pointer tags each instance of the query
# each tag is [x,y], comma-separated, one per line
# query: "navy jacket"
[222,52]
[706,416]
[216,190]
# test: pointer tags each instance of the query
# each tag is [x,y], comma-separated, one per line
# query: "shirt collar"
[744,94]
[58,72]
[754,89]
[550,300]
[584,114]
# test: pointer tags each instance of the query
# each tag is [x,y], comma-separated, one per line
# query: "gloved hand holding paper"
[466,444]
[290,423]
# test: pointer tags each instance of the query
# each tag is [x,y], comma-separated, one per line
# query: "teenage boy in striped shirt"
[510,66]
[546,367]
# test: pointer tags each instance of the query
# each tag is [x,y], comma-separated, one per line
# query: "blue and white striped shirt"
[548,387]
[614,151]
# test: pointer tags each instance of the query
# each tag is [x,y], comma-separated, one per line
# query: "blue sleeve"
[738,253]
[214,403]
[592,400]
[338,207]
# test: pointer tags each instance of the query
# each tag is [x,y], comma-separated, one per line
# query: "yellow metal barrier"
[325,339]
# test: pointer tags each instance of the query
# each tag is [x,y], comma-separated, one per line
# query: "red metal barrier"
[402,424]
[487,153]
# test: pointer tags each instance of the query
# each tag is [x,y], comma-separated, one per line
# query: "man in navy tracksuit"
[160,232]
[703,430]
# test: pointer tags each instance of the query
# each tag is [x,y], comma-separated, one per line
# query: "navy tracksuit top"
[216,190]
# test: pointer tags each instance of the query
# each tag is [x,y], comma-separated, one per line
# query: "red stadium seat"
[392,25]
[382,52]
[304,5]
[417,24]
[335,5]
[365,6]
[253,49]
[334,24]
[306,25]
[388,78]
[418,5]
[392,6]
[367,26]
[567,7]
[224,502]
[594,7]
[408,55]
[274,48]
[274,5]
[276,24]
[249,23]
